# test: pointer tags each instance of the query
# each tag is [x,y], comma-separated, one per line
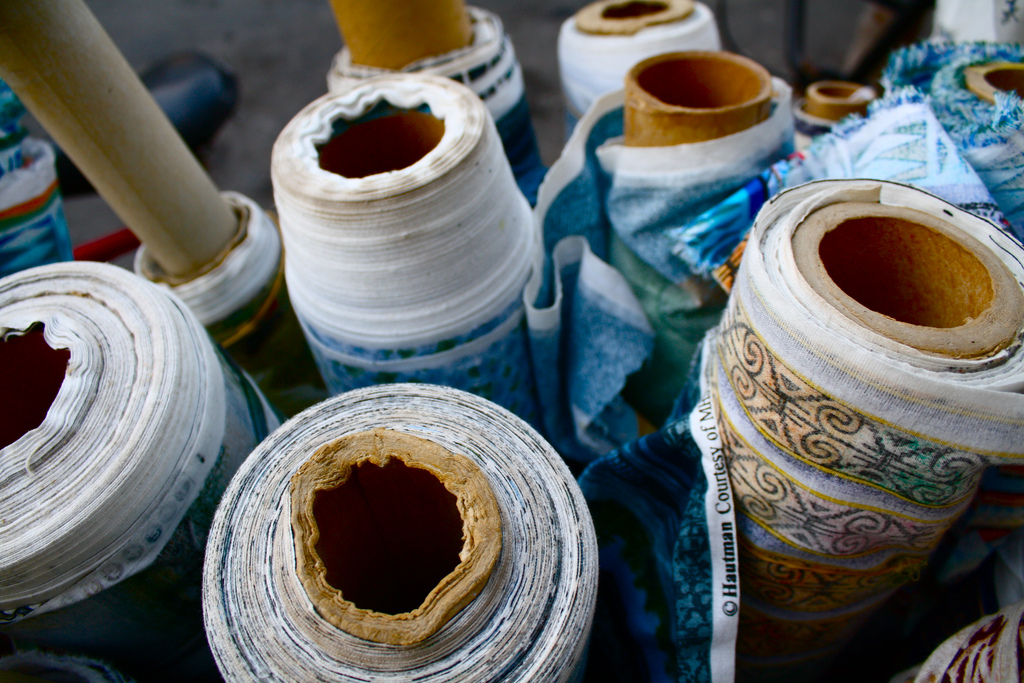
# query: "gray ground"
[281,49]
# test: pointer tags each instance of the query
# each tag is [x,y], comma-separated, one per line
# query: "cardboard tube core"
[391,34]
[31,374]
[388,535]
[627,17]
[832,100]
[985,79]
[394,534]
[380,145]
[911,277]
[694,96]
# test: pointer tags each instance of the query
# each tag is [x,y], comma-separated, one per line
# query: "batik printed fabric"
[849,455]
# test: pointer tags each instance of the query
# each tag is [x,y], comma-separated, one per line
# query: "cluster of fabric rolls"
[788,384]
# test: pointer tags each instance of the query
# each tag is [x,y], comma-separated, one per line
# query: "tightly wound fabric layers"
[990,136]
[107,502]
[849,452]
[488,66]
[415,274]
[591,65]
[530,622]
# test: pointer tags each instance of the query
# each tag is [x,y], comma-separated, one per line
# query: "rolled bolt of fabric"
[402,531]
[124,423]
[408,243]
[866,372]
[987,650]
[241,299]
[824,104]
[33,230]
[988,129]
[694,96]
[685,102]
[600,43]
[488,66]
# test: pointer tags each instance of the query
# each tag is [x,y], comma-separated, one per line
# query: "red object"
[108,247]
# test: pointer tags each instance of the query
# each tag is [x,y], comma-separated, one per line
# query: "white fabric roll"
[235,281]
[488,65]
[128,459]
[414,274]
[530,622]
[124,470]
[592,65]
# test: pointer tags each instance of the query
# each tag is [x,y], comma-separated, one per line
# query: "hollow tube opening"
[31,374]
[700,82]
[633,9]
[906,271]
[382,144]
[388,536]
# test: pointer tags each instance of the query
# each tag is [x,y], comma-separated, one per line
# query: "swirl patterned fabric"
[850,454]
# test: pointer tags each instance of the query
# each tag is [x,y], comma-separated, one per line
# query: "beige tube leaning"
[390,34]
[695,96]
[70,75]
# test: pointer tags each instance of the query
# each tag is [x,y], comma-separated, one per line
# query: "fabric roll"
[415,271]
[530,621]
[627,200]
[33,230]
[987,650]
[852,448]
[488,67]
[47,666]
[824,104]
[900,139]
[243,303]
[990,136]
[131,430]
[591,65]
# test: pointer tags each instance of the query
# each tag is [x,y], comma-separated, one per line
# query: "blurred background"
[280,51]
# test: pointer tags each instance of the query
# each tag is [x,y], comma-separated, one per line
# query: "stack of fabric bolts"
[791,383]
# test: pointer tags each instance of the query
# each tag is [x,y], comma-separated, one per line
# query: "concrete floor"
[281,50]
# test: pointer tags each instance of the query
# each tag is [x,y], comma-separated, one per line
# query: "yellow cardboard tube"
[390,34]
[985,79]
[832,100]
[694,96]
[627,17]
[911,277]
[71,76]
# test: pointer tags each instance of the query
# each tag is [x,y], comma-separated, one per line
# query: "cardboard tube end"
[910,277]
[394,534]
[391,34]
[628,17]
[833,100]
[985,79]
[683,97]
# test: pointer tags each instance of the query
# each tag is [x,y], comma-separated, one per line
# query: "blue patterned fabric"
[989,136]
[900,140]
[654,618]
